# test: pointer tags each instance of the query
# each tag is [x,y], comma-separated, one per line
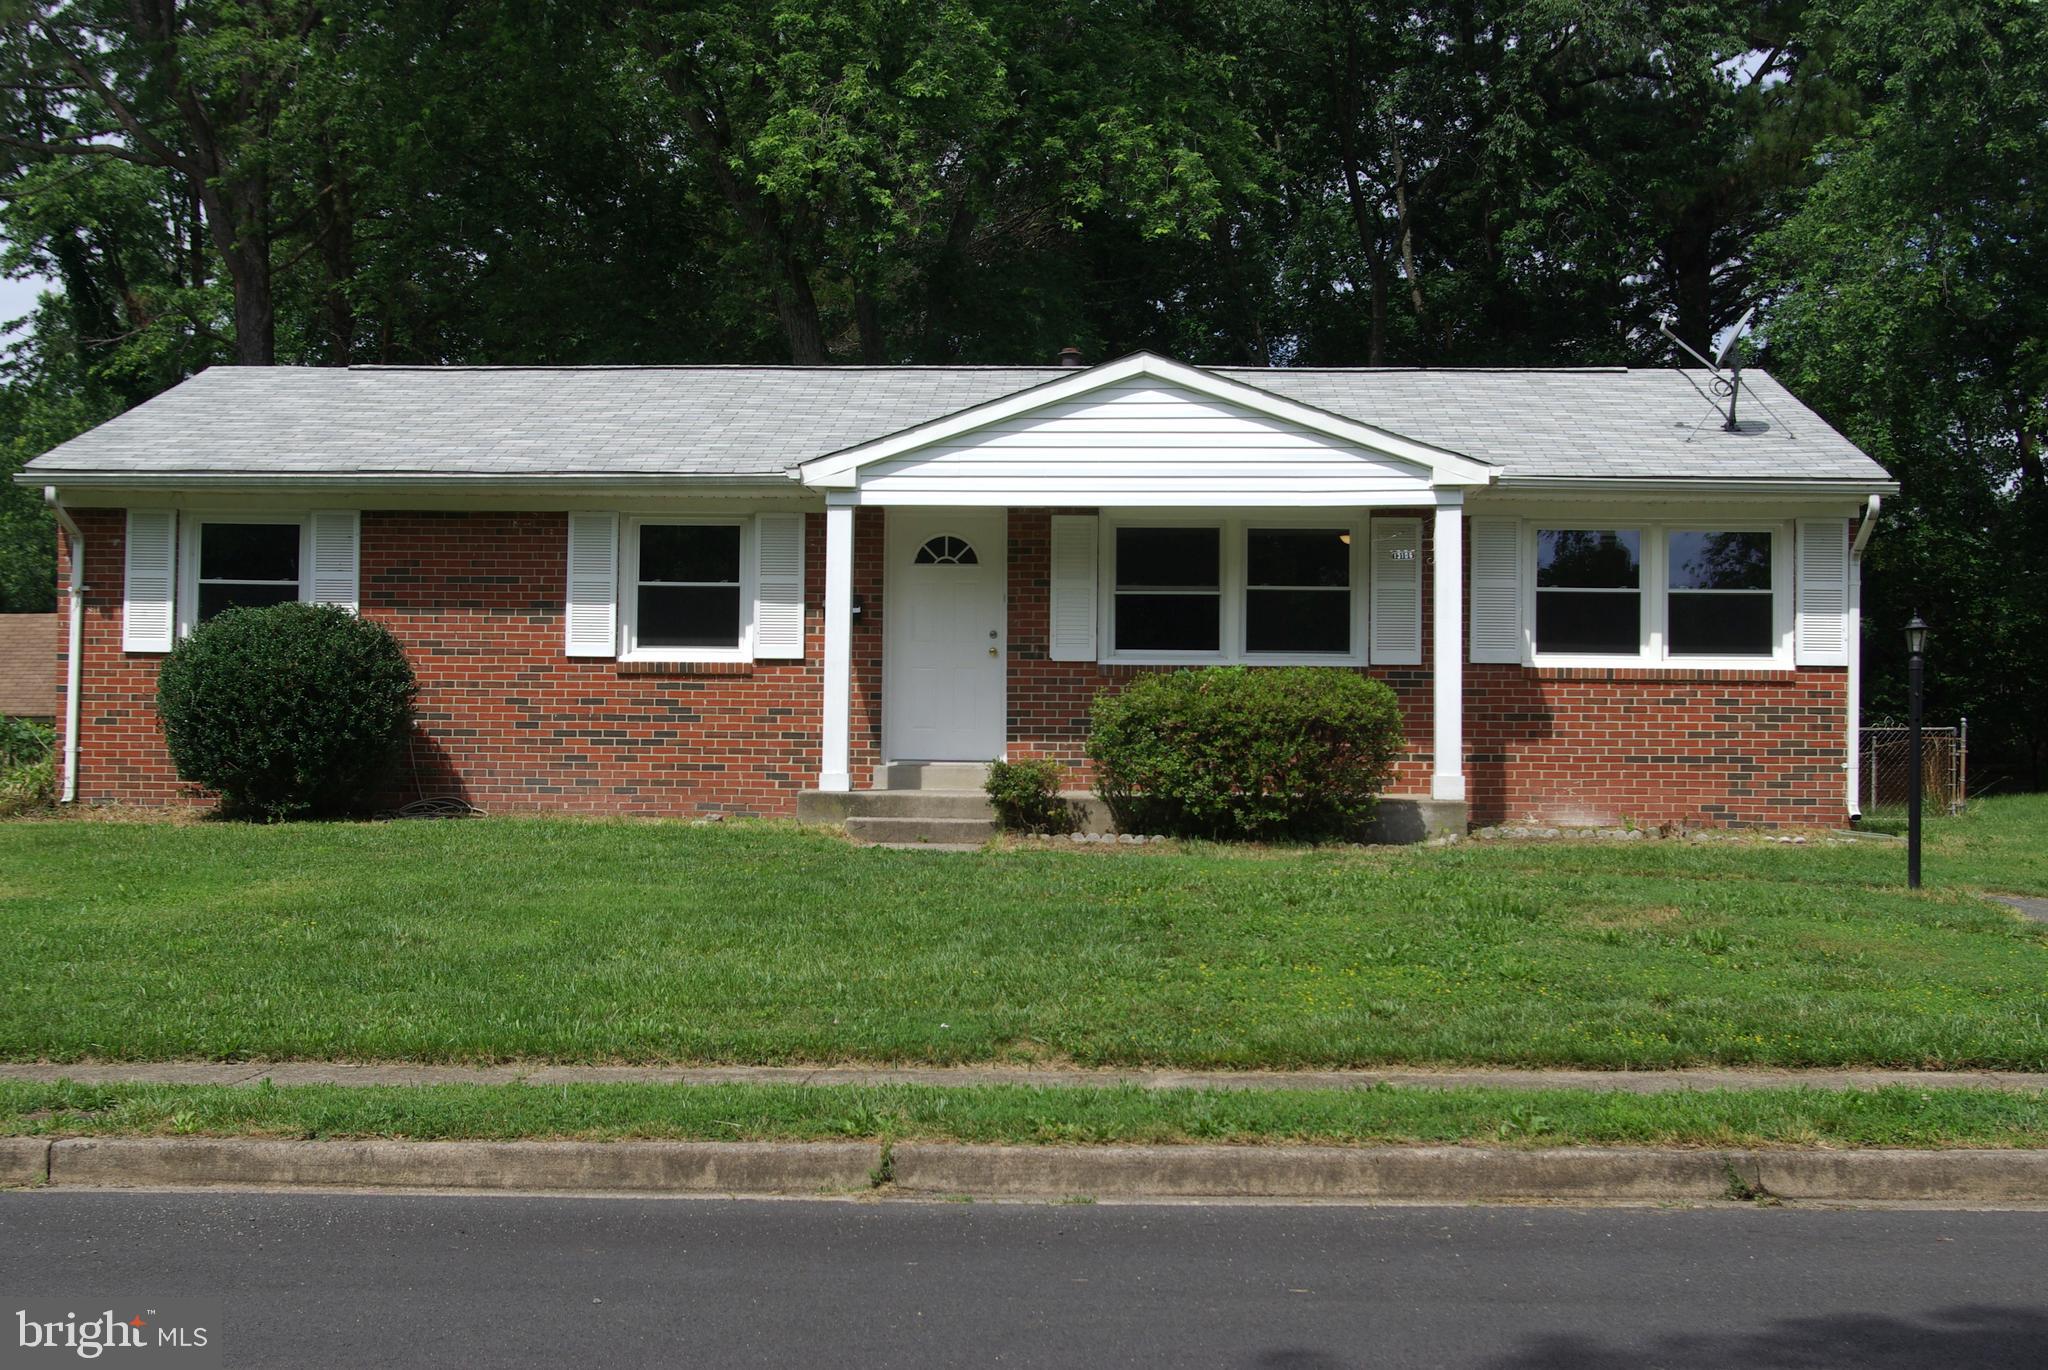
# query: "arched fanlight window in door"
[946,550]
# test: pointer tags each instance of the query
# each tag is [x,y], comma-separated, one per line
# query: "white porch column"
[834,770]
[1448,659]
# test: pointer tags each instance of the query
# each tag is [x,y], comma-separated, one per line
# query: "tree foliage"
[1273,182]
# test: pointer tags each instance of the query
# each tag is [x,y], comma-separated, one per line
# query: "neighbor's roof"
[739,421]
[28,684]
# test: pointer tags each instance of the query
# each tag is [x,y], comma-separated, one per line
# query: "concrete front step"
[820,806]
[931,775]
[945,832]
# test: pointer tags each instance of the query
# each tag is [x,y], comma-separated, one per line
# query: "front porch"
[988,574]
[944,649]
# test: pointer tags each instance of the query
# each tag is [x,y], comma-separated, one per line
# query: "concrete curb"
[655,1167]
[1444,1174]
[1456,1174]
[24,1160]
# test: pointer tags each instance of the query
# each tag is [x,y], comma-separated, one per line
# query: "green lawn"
[583,941]
[1016,1114]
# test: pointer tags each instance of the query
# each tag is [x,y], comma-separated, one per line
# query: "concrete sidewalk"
[1617,1081]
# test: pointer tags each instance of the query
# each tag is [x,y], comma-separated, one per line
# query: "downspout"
[73,666]
[1863,532]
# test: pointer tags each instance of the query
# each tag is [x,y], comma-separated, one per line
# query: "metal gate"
[1884,759]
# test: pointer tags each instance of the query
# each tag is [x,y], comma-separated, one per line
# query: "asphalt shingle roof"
[596,422]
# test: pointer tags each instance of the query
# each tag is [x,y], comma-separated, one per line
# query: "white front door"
[943,649]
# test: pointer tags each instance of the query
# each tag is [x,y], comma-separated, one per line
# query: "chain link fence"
[1884,758]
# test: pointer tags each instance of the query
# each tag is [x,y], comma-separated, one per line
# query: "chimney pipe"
[1071,356]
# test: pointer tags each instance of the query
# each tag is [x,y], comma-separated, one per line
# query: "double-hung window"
[245,564]
[1169,590]
[1700,595]
[1251,588]
[687,591]
[1589,595]
[1297,597]
[1720,601]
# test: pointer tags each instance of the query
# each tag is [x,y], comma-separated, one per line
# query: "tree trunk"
[1407,229]
[798,310]
[1689,270]
[868,319]
[334,219]
[1364,218]
[241,235]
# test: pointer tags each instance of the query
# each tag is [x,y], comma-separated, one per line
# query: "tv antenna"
[1725,368]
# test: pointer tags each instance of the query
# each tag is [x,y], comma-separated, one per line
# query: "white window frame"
[629,588]
[190,528]
[1652,651]
[1234,531]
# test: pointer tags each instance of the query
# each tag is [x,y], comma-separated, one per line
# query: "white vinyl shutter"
[1496,590]
[1073,588]
[591,614]
[1821,637]
[335,558]
[1396,592]
[779,585]
[149,588]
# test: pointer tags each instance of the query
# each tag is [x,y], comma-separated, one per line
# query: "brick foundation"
[509,722]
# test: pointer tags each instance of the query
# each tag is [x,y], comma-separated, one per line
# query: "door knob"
[992,651]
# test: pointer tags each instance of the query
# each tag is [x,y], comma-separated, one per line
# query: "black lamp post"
[1916,661]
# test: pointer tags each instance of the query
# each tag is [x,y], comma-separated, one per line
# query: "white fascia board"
[1854,487]
[768,483]
[475,496]
[1446,467]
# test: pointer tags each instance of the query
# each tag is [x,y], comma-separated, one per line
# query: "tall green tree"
[1912,309]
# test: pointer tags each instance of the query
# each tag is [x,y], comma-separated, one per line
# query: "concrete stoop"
[945,818]
[915,812]
[1443,1174]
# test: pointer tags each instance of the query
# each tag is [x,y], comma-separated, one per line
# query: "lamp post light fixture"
[1916,662]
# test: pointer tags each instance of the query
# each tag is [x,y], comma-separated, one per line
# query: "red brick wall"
[509,722]
[121,753]
[506,720]
[1748,748]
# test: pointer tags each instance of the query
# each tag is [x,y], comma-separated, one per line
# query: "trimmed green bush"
[287,709]
[1237,752]
[1026,796]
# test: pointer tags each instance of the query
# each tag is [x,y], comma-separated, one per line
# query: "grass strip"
[1889,1117]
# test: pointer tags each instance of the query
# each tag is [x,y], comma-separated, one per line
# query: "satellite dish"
[1726,367]
[1729,350]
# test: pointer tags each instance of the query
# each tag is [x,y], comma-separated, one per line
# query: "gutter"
[1854,765]
[1696,485]
[765,482]
[74,666]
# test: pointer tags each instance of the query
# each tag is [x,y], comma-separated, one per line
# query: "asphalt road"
[362,1280]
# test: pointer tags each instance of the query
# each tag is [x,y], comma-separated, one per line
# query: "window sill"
[686,668]
[1654,665]
[1191,662]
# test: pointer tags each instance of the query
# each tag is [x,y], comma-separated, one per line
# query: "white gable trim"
[841,469]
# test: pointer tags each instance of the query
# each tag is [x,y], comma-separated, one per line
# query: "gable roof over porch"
[1145,430]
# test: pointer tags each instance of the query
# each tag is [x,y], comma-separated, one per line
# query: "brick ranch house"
[677,590]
